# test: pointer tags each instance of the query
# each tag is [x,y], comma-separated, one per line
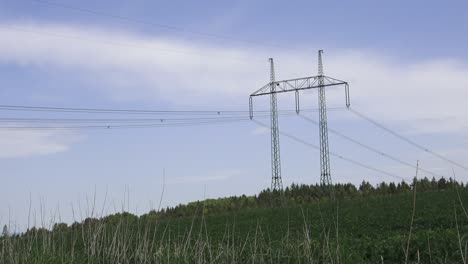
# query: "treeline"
[294,195]
[182,234]
[300,194]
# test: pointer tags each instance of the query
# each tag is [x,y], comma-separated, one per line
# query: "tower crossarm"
[299,84]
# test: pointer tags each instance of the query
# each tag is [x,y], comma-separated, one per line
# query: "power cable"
[148,125]
[127,120]
[377,124]
[150,23]
[121,44]
[161,123]
[371,148]
[119,111]
[140,111]
[331,153]
[114,120]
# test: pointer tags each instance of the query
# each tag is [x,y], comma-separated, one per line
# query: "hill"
[362,225]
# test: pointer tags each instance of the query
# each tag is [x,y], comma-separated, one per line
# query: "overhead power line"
[159,118]
[138,123]
[116,120]
[141,111]
[123,44]
[379,152]
[407,140]
[118,111]
[118,126]
[360,164]
[129,120]
[154,24]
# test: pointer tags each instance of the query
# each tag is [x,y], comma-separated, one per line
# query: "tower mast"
[325,176]
[276,182]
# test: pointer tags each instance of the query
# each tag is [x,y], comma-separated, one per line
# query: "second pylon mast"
[325,175]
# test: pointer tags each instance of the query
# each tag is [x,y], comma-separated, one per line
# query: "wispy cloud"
[132,66]
[19,143]
[140,67]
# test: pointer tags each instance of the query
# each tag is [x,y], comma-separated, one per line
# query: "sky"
[405,63]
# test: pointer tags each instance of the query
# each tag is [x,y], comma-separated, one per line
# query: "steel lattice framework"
[319,82]
[276,181]
[325,175]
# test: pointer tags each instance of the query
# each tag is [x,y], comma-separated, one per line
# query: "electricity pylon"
[276,182]
[296,85]
[325,175]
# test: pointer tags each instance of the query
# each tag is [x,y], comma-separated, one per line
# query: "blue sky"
[405,62]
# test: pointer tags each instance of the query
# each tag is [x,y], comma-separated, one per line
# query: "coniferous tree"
[442,184]
[434,185]
[5,231]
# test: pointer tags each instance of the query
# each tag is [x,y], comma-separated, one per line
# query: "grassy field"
[372,229]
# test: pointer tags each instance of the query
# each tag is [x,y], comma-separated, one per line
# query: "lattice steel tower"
[325,176]
[320,82]
[276,182]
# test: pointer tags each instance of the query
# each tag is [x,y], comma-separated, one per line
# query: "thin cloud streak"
[20,144]
[405,94]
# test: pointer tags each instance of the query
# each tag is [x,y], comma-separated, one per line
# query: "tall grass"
[101,242]
[325,237]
